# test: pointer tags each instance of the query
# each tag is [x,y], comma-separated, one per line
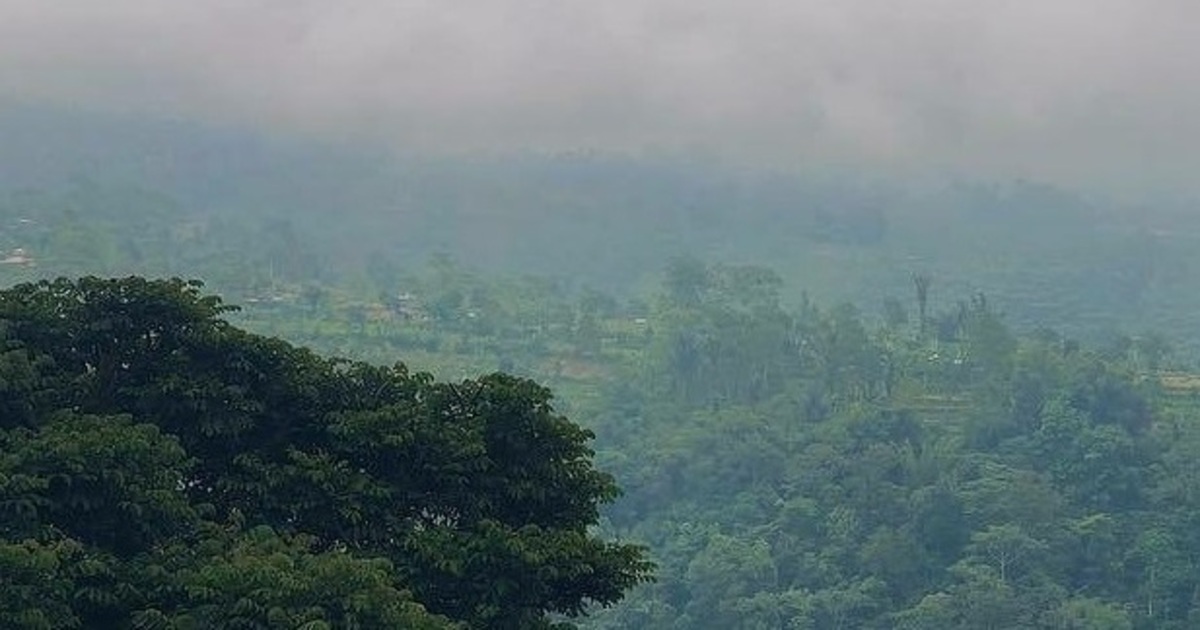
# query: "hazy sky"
[1079,90]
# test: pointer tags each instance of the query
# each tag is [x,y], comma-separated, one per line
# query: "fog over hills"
[873,314]
[1051,256]
[1080,93]
[1010,149]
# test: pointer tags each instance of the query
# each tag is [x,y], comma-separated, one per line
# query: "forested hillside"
[251,213]
[806,469]
[787,467]
[891,411]
[814,467]
[643,314]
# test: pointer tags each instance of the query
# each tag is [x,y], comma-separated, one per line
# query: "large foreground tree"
[160,468]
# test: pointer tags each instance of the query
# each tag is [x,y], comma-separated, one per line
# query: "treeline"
[88,228]
[1053,258]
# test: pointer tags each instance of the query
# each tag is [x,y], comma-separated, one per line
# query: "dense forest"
[163,469]
[642,314]
[815,428]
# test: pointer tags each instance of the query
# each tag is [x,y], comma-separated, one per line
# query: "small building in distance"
[18,256]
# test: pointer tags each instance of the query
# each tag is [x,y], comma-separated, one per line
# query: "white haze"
[1099,93]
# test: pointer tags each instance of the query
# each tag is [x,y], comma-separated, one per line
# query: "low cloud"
[1072,90]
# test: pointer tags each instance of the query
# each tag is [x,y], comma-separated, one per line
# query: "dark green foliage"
[789,467]
[164,469]
[889,480]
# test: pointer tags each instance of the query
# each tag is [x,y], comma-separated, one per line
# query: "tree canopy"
[161,468]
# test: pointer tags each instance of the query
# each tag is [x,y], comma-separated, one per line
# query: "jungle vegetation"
[999,433]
